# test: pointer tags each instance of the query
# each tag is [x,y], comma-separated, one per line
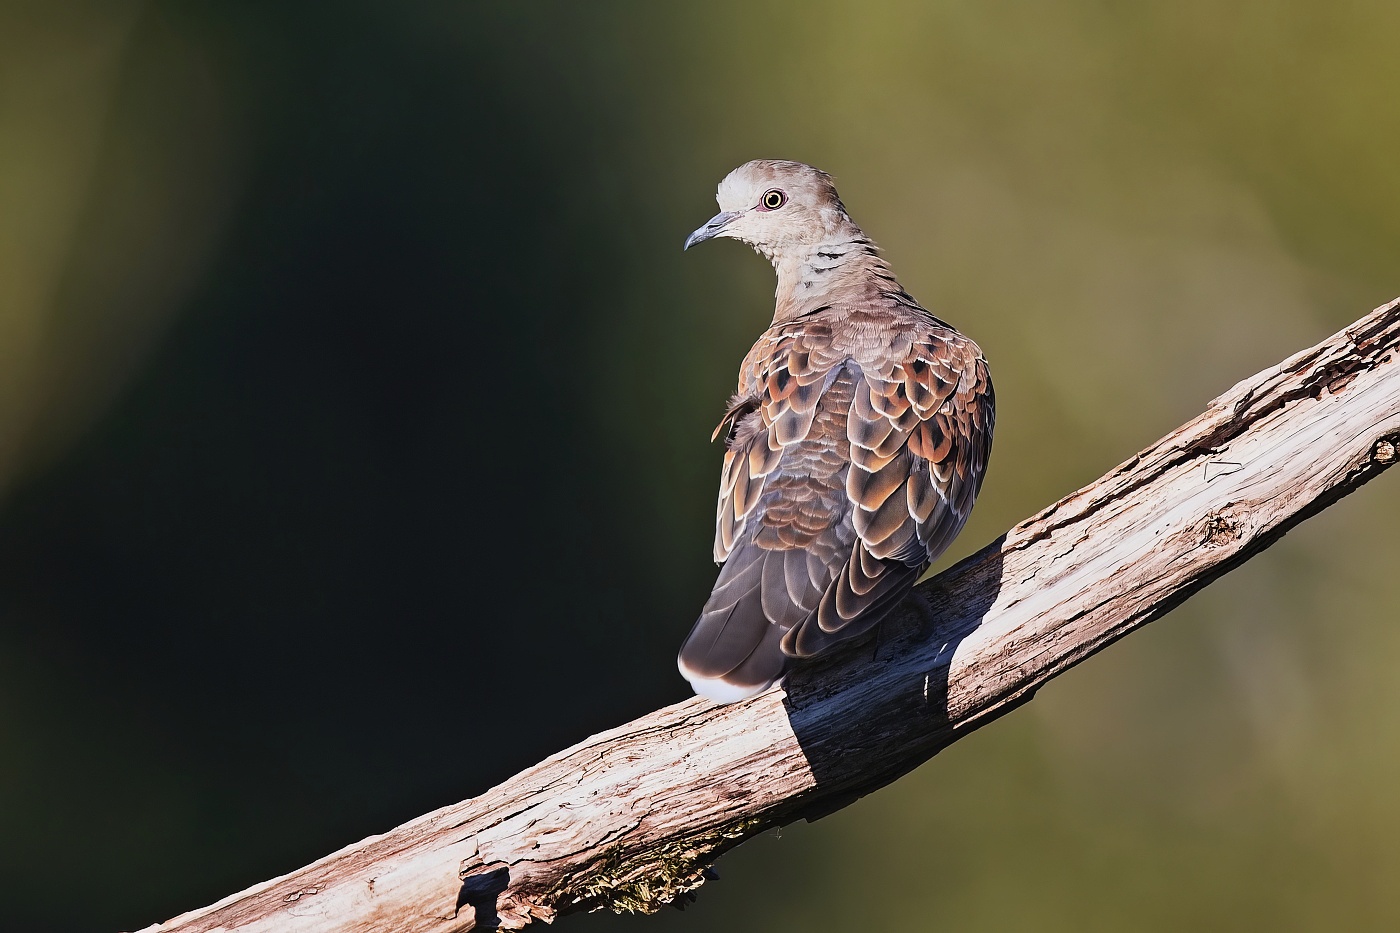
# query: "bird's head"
[775,207]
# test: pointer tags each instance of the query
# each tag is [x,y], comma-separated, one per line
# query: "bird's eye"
[773,199]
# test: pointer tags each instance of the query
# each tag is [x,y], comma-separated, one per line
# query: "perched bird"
[856,442]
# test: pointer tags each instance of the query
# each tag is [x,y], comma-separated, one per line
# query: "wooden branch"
[629,819]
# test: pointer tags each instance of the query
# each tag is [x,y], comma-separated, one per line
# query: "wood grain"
[629,819]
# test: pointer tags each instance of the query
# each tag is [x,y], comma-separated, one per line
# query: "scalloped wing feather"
[844,478]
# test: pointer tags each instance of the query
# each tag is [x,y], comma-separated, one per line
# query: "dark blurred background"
[355,395]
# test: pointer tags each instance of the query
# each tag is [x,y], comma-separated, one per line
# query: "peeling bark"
[629,819]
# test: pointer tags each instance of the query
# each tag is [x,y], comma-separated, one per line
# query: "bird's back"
[856,444]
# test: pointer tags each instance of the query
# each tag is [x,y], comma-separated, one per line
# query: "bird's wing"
[920,433]
[840,483]
[778,528]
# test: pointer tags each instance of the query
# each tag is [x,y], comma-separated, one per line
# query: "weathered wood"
[629,819]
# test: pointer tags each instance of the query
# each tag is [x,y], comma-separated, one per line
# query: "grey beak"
[712,228]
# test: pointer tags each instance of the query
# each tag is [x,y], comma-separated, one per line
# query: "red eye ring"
[772,199]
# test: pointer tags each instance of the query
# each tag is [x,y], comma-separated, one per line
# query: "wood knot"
[1219,529]
[1384,452]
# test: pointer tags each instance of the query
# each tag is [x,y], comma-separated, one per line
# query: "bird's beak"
[712,228]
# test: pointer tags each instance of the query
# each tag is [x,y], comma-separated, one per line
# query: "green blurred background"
[355,395]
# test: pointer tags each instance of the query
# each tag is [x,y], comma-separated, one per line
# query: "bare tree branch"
[629,819]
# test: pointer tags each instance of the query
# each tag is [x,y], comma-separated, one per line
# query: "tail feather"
[735,650]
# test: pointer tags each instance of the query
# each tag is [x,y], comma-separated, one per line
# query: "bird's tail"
[735,649]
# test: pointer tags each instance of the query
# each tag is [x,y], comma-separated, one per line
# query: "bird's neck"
[844,266]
